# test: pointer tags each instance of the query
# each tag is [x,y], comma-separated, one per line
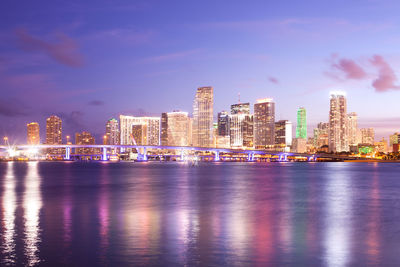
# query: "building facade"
[368,136]
[203,117]
[85,138]
[352,128]
[283,135]
[338,140]
[264,123]
[223,123]
[112,132]
[240,108]
[241,130]
[33,135]
[54,134]
[321,135]
[301,127]
[152,129]
[178,128]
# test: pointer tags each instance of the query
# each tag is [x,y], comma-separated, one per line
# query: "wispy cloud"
[64,50]
[273,80]
[347,68]
[386,76]
[96,103]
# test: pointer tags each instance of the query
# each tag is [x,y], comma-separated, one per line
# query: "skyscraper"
[85,138]
[164,129]
[264,123]
[338,140]
[112,132]
[178,128]
[241,130]
[283,134]
[301,128]
[203,117]
[352,128]
[33,133]
[152,129]
[54,134]
[223,123]
[240,108]
[367,136]
[321,135]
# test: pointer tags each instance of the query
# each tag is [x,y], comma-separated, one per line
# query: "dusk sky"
[90,62]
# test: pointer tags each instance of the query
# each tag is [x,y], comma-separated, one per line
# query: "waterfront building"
[33,136]
[223,123]
[178,128]
[164,129]
[54,134]
[299,145]
[152,129]
[394,139]
[283,135]
[85,138]
[203,117]
[139,134]
[301,128]
[240,108]
[367,136]
[112,132]
[352,129]
[264,123]
[382,146]
[241,130]
[338,141]
[321,134]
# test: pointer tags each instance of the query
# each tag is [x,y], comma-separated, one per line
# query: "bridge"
[143,149]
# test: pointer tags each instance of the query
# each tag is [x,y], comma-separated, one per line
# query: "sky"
[88,62]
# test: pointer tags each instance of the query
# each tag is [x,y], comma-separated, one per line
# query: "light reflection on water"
[323,214]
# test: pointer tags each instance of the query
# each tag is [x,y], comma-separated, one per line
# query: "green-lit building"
[301,128]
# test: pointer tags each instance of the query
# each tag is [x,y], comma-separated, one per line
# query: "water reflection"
[373,224]
[338,201]
[32,204]
[9,208]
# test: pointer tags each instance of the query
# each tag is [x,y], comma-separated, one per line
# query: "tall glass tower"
[203,117]
[301,128]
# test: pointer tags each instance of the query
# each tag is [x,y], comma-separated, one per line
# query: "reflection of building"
[301,128]
[321,135]
[152,125]
[203,117]
[112,132]
[367,136]
[264,123]
[33,133]
[54,133]
[175,128]
[223,123]
[85,138]
[352,128]
[283,134]
[338,140]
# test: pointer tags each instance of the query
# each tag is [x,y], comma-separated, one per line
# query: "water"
[215,214]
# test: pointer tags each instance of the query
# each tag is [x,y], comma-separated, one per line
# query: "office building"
[352,129]
[177,128]
[338,140]
[264,123]
[112,132]
[223,123]
[85,138]
[152,128]
[367,136]
[241,130]
[33,136]
[283,135]
[203,117]
[54,134]
[240,108]
[301,128]
[321,135]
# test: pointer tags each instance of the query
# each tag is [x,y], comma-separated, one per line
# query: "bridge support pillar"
[216,156]
[182,155]
[285,157]
[104,154]
[311,158]
[142,156]
[250,157]
[67,153]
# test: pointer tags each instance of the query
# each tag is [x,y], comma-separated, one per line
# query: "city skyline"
[87,71]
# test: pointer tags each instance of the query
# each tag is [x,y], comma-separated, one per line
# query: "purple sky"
[90,62]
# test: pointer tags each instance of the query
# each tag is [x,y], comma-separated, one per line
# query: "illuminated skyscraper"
[112,132]
[33,133]
[240,108]
[203,117]
[53,130]
[301,128]
[85,138]
[164,129]
[223,123]
[283,134]
[241,130]
[264,123]
[352,128]
[338,140]
[177,131]
[152,129]
[367,136]
[321,135]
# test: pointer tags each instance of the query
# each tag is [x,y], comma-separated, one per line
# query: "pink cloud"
[273,80]
[350,69]
[386,76]
[65,51]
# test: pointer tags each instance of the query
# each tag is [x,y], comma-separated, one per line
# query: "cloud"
[12,108]
[73,120]
[273,80]
[349,68]
[386,76]
[96,103]
[64,51]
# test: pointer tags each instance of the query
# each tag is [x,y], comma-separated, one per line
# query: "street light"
[67,139]
[105,140]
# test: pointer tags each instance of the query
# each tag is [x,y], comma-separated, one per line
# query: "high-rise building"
[33,133]
[283,134]
[178,128]
[381,146]
[54,134]
[223,123]
[241,130]
[240,108]
[203,117]
[367,136]
[321,135]
[338,140]
[164,129]
[264,123]
[112,132]
[85,138]
[301,128]
[352,128]
[139,134]
[152,129]
[394,140]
